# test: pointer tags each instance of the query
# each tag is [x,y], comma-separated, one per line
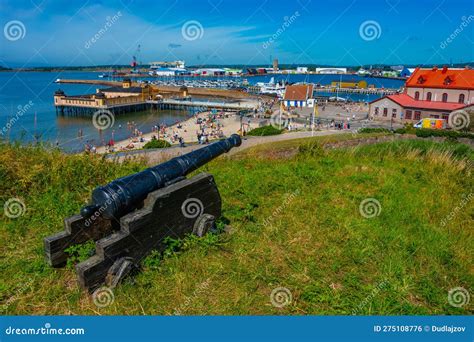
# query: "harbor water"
[27,112]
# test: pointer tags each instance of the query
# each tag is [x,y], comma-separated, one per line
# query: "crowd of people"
[206,126]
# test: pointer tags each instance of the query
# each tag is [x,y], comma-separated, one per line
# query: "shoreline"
[225,124]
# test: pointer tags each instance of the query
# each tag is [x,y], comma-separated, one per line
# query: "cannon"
[122,195]
[133,215]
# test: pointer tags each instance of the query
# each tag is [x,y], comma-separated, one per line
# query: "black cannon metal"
[131,216]
[120,196]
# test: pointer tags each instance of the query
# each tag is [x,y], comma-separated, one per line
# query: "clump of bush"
[313,149]
[425,133]
[264,131]
[155,143]
[374,130]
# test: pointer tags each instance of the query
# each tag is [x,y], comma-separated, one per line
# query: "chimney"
[445,69]
[435,68]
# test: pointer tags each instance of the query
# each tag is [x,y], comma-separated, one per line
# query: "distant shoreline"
[243,75]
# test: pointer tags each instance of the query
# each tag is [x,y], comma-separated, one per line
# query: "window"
[417,115]
[376,112]
[445,117]
[448,81]
[434,116]
[445,97]
[394,113]
[417,95]
[408,114]
[428,96]
[385,111]
[461,98]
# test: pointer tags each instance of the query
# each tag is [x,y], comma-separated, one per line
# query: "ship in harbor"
[272,87]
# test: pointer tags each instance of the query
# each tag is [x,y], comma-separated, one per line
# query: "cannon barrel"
[123,194]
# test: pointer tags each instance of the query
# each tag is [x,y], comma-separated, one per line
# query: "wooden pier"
[170,90]
[181,104]
[87,105]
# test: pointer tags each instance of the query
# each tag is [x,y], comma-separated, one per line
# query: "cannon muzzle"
[122,195]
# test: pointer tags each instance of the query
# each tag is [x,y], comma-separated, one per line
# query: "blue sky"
[237,32]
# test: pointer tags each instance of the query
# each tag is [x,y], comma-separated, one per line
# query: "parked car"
[431,123]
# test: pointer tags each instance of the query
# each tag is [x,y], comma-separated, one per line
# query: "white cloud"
[61,40]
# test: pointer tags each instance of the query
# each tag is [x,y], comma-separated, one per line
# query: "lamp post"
[315,113]
[241,114]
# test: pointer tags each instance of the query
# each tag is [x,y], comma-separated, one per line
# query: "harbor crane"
[135,62]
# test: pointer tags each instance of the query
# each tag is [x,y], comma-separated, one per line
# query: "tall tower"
[275,65]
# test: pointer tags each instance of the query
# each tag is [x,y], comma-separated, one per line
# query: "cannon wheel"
[204,224]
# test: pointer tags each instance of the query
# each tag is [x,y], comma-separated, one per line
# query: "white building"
[331,70]
[298,95]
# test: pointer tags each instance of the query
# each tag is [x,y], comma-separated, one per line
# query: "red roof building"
[444,78]
[429,93]
[298,95]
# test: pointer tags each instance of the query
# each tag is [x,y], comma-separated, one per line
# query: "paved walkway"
[156,156]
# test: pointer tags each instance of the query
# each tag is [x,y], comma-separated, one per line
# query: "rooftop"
[118,89]
[298,92]
[442,78]
[408,101]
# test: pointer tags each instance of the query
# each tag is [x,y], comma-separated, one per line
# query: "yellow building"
[349,84]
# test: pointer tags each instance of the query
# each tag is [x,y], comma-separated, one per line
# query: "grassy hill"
[295,221]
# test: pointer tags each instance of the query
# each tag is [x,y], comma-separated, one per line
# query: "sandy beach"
[222,124]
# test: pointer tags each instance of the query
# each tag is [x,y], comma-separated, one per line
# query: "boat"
[337,98]
[271,88]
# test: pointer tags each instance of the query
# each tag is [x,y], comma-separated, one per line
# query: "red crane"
[135,62]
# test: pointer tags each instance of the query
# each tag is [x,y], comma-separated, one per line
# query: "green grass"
[265,131]
[295,223]
[374,130]
[156,144]
[425,133]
